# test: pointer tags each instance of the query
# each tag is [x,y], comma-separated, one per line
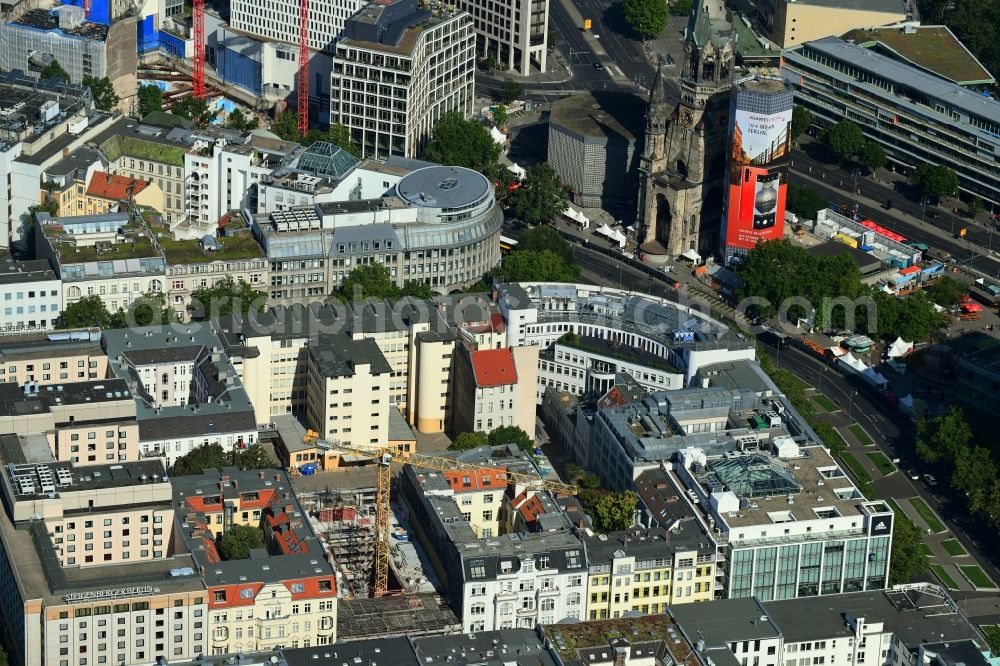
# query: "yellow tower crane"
[384,457]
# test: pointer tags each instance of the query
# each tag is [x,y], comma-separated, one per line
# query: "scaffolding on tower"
[303,105]
[198,20]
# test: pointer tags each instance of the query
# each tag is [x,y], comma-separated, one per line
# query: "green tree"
[510,90]
[872,156]
[194,109]
[611,512]
[102,92]
[88,311]
[150,99]
[912,318]
[150,310]
[469,440]
[417,289]
[946,291]
[500,116]
[804,201]
[581,477]
[53,70]
[845,139]
[541,197]
[239,121]
[934,180]
[510,434]
[456,141]
[367,281]
[225,298]
[648,18]
[286,125]
[340,136]
[544,237]
[681,8]
[907,560]
[976,206]
[802,118]
[201,458]
[254,456]
[532,266]
[238,540]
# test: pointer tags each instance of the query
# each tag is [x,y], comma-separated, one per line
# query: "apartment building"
[282,595]
[731,630]
[85,423]
[108,255]
[644,571]
[152,153]
[915,115]
[508,554]
[682,337]
[187,392]
[53,358]
[106,191]
[346,397]
[494,388]
[399,69]
[111,591]
[30,294]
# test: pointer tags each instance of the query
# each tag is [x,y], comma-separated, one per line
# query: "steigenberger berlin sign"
[116,593]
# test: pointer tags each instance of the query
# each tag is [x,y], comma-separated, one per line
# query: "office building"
[508,553]
[187,392]
[30,294]
[792,22]
[494,388]
[599,331]
[592,146]
[109,255]
[514,32]
[34,37]
[84,423]
[915,115]
[328,214]
[399,69]
[978,377]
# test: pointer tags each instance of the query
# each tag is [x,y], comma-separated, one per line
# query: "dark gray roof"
[521,646]
[724,621]
[192,424]
[916,616]
[886,6]
[338,355]
[14,401]
[171,354]
[955,653]
[443,187]
[383,652]
[903,76]
[601,115]
[15,272]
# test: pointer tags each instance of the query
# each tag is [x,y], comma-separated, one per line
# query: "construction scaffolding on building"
[345,523]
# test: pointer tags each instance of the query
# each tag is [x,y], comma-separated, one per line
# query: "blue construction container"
[308,469]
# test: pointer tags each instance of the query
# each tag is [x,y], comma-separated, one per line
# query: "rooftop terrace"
[567,639]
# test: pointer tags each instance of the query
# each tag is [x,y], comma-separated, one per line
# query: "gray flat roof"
[887,6]
[443,187]
[882,67]
[724,621]
[601,115]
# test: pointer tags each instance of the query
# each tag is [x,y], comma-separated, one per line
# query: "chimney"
[289,508]
[108,177]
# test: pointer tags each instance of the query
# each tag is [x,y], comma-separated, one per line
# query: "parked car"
[598,66]
[930,480]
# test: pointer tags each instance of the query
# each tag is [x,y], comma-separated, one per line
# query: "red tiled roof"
[531,509]
[111,186]
[493,367]
[478,480]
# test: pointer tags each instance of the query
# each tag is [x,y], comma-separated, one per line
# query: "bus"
[507,244]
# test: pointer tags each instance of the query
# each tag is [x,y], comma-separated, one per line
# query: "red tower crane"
[198,19]
[303,106]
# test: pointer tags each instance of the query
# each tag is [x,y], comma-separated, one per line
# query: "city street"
[904,217]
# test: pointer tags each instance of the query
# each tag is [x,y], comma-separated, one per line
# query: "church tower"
[682,171]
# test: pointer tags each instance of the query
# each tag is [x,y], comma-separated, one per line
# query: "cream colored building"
[103,194]
[53,358]
[495,387]
[792,22]
[347,395]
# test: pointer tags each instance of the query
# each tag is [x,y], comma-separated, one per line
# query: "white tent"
[853,363]
[577,216]
[899,348]
[692,254]
[498,136]
[612,235]
[517,170]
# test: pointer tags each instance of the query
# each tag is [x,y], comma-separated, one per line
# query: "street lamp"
[923,208]
[855,173]
[850,408]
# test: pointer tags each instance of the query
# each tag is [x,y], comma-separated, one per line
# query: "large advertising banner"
[758,178]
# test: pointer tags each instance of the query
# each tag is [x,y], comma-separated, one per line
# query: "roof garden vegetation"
[568,638]
[230,248]
[624,353]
